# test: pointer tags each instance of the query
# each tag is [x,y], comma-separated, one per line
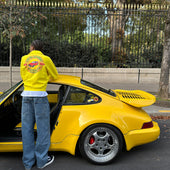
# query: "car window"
[94,86]
[52,90]
[5,95]
[80,96]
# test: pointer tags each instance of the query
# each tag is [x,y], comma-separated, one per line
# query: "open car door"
[10,110]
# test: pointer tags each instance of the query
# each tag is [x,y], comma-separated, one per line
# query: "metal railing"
[91,35]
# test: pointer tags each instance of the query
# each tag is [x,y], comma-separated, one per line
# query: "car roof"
[67,79]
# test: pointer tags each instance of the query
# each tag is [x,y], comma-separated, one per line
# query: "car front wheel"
[100,143]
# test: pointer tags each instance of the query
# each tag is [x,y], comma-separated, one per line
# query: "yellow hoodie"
[36,69]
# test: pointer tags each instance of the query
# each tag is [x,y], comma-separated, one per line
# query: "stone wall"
[105,75]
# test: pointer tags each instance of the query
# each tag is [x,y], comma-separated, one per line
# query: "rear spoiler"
[136,98]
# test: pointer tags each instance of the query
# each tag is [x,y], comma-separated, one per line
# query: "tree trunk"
[164,76]
[117,20]
[10,62]
[10,53]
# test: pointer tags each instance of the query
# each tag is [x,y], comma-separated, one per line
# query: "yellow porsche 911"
[84,117]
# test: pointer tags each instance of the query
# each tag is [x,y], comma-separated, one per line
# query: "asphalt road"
[154,155]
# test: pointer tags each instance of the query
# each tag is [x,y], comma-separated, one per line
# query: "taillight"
[147,125]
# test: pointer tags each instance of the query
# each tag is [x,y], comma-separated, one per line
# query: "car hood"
[136,98]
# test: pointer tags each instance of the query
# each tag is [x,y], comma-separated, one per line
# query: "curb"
[154,110]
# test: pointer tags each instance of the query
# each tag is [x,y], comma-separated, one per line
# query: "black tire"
[100,143]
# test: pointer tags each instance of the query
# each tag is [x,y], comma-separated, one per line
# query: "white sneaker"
[27,168]
[50,160]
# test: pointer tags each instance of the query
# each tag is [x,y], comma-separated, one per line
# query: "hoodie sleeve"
[21,68]
[51,69]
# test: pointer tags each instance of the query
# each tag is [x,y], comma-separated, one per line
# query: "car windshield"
[6,93]
[94,86]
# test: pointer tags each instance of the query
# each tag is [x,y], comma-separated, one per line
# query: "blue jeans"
[35,110]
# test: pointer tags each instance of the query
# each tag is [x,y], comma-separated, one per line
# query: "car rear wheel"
[100,143]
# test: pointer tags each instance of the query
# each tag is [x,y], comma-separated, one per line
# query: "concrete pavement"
[154,110]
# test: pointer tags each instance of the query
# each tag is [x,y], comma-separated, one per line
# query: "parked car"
[87,118]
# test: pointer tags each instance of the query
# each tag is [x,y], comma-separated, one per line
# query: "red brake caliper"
[91,141]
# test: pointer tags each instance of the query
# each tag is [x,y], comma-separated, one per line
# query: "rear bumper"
[142,136]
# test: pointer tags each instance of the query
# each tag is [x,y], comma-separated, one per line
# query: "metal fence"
[89,35]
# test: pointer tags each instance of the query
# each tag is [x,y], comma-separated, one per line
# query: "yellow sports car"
[87,118]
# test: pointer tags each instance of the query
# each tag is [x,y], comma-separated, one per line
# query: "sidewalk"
[152,110]
[126,86]
[157,110]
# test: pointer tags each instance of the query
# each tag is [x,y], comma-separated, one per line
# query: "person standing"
[36,69]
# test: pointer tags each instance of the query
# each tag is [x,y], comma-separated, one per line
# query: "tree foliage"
[88,27]
[13,20]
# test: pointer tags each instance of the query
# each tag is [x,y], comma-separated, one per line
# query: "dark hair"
[37,44]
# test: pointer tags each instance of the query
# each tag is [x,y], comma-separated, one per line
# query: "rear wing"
[136,98]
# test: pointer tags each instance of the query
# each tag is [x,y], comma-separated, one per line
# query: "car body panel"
[75,118]
[142,136]
[11,147]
